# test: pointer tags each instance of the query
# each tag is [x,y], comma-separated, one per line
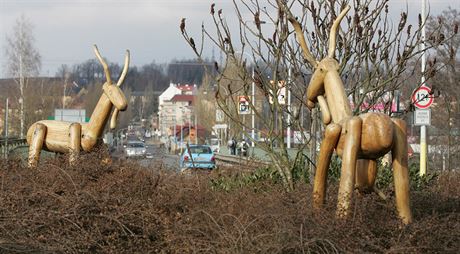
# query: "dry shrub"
[123,207]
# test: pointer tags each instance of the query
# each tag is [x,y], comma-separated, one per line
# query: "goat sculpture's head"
[112,91]
[326,69]
[327,65]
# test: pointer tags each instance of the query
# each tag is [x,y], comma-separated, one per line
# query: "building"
[175,106]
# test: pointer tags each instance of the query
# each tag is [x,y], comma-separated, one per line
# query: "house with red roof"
[175,106]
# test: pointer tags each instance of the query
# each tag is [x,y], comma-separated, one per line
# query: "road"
[160,158]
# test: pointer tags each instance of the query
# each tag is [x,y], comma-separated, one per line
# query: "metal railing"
[9,144]
[235,160]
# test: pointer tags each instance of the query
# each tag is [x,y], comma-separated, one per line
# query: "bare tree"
[446,53]
[372,50]
[23,59]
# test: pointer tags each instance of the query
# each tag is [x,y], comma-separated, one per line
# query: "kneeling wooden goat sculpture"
[358,140]
[69,137]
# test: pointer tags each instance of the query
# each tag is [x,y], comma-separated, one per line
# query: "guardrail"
[234,160]
[9,144]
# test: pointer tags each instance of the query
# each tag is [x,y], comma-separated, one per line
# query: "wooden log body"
[376,137]
[57,137]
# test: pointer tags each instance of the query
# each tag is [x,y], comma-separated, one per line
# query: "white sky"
[65,30]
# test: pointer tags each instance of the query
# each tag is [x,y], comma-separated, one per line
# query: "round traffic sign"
[422,97]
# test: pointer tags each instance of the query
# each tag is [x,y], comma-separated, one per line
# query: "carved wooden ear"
[326,115]
[125,69]
[113,120]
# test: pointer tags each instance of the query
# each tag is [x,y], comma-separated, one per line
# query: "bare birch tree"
[23,60]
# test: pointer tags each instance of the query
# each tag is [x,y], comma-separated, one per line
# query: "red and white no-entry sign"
[422,97]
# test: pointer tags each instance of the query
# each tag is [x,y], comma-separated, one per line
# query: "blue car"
[197,157]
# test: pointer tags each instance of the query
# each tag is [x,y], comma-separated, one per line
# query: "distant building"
[175,106]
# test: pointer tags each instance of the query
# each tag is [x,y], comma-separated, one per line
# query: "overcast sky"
[65,30]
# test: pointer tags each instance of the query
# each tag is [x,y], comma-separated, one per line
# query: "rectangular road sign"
[243,105]
[422,117]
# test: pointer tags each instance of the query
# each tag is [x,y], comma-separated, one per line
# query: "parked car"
[135,148]
[197,157]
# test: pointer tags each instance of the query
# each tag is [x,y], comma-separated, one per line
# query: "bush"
[122,207]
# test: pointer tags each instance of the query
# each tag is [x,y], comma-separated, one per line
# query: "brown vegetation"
[124,208]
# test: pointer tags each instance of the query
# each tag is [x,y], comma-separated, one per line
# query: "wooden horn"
[333,33]
[299,33]
[104,65]
[125,69]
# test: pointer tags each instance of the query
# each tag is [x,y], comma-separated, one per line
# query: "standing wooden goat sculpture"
[358,140]
[68,137]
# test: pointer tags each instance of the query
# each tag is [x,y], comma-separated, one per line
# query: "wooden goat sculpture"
[358,140]
[68,137]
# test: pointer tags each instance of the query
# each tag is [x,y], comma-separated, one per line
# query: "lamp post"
[221,114]
[6,129]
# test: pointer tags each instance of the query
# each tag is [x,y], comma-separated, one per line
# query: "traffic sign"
[422,97]
[243,105]
[281,94]
[422,117]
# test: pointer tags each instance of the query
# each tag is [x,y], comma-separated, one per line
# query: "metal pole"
[423,144]
[288,131]
[243,136]
[175,131]
[6,129]
[189,126]
[196,130]
[253,108]
[181,135]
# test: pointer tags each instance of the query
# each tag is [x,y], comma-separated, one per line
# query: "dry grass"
[124,208]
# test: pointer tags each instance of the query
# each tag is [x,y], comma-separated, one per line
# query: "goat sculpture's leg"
[36,144]
[75,140]
[366,172]
[331,136]
[401,172]
[349,158]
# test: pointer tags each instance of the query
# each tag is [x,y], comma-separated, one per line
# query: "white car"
[135,149]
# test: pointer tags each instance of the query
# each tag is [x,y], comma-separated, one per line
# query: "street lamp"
[220,116]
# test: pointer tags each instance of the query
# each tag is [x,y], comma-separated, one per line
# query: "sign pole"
[288,131]
[253,101]
[423,145]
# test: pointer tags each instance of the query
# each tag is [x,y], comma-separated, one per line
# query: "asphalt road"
[160,158]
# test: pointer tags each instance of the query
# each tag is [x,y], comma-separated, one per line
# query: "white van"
[214,143]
